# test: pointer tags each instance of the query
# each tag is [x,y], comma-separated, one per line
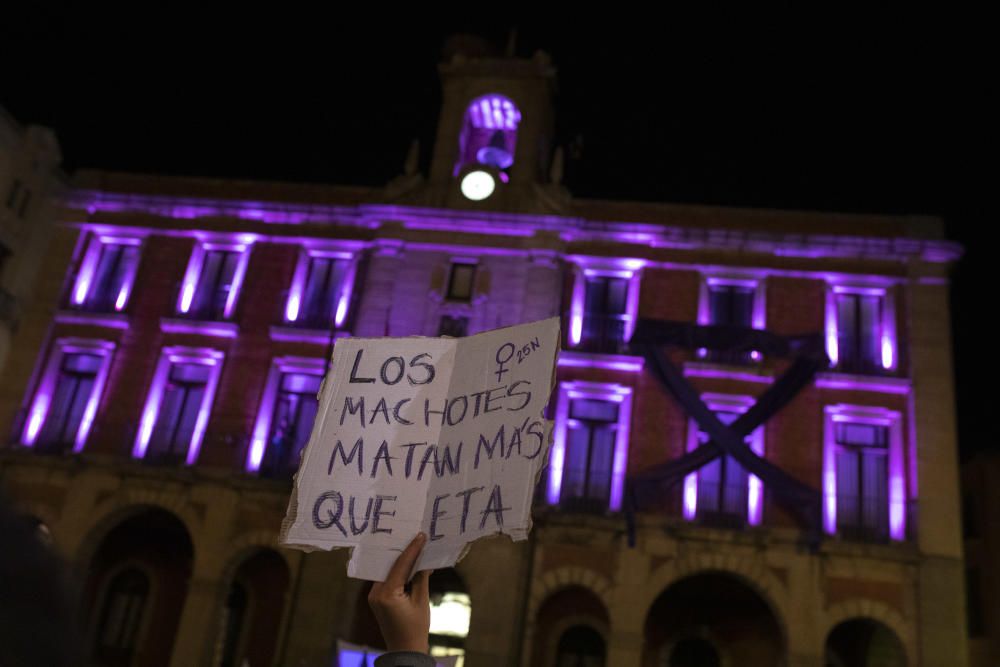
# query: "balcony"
[600,334]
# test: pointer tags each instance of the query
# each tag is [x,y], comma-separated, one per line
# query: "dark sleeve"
[404,659]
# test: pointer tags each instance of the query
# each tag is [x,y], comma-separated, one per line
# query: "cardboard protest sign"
[441,435]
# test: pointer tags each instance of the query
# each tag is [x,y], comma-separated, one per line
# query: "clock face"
[477,185]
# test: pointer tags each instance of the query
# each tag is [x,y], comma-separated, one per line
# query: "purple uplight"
[610,362]
[832,345]
[191,276]
[262,427]
[86,273]
[345,293]
[557,459]
[576,310]
[234,289]
[216,329]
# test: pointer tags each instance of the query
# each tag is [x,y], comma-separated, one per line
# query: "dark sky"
[880,114]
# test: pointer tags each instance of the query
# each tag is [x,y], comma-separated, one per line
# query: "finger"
[421,587]
[401,569]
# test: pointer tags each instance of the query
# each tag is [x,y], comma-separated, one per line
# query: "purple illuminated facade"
[182,333]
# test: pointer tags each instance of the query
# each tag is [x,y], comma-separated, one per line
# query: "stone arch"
[865,608]
[565,577]
[265,574]
[751,571]
[718,604]
[246,544]
[564,624]
[112,511]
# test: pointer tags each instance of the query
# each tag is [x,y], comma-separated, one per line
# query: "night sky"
[881,116]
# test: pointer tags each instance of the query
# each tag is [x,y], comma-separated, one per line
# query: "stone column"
[378,285]
[543,287]
[941,632]
[804,638]
[322,601]
[198,624]
[628,608]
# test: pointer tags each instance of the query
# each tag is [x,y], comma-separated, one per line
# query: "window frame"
[572,390]
[193,275]
[453,266]
[154,398]
[888,340]
[297,289]
[896,482]
[42,399]
[114,573]
[83,285]
[755,486]
[602,267]
[265,411]
[758,318]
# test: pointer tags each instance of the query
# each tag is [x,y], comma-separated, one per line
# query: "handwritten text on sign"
[442,435]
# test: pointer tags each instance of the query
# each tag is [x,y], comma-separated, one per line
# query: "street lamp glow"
[477,185]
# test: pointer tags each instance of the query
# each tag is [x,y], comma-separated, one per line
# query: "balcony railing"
[602,334]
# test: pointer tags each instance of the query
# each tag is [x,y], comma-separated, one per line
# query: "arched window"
[233,618]
[121,617]
[451,610]
[489,133]
[580,646]
[694,652]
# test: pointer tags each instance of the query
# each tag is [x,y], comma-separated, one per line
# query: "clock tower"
[494,144]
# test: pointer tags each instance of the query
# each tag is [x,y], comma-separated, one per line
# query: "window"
[233,618]
[121,617]
[580,646]
[588,459]
[74,386]
[177,407]
[64,405]
[321,290]
[461,282]
[453,326]
[604,314]
[722,492]
[604,304]
[723,484]
[291,422]
[861,330]
[864,483]
[286,414]
[212,281]
[733,303]
[590,446]
[862,480]
[179,411]
[106,275]
[451,611]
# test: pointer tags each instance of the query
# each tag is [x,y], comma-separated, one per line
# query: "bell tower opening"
[489,134]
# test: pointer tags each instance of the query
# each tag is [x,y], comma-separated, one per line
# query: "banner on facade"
[440,435]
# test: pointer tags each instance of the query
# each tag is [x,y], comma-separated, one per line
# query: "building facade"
[981,529]
[166,376]
[30,183]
